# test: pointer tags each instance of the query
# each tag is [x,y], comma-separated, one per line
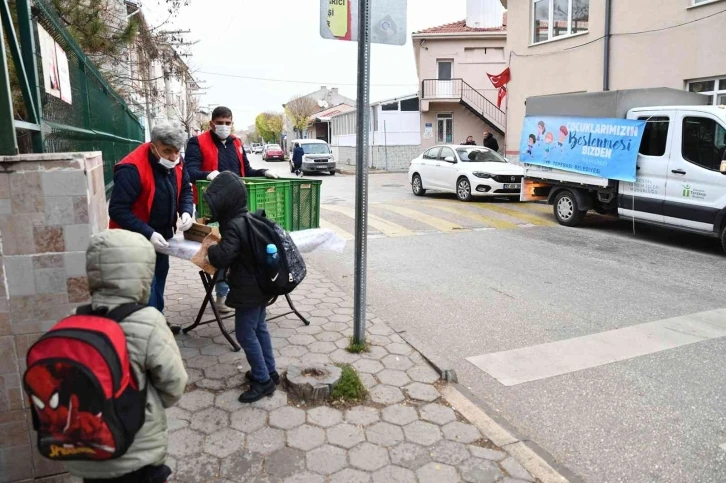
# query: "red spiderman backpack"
[85,400]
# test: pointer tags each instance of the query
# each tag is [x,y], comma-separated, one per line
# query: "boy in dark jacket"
[227,201]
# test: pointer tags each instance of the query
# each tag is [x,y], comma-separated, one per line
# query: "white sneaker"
[221,304]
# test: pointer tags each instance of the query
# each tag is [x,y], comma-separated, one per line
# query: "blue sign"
[599,147]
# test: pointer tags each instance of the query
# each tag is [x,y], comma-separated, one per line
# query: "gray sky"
[281,40]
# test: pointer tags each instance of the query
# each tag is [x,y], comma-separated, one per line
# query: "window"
[446,69]
[714,89]
[479,155]
[554,19]
[432,153]
[410,105]
[393,106]
[446,153]
[655,136]
[704,142]
[445,128]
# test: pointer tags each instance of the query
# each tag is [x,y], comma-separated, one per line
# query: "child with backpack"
[98,382]
[226,198]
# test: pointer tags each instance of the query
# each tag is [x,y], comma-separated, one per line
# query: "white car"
[467,171]
[257,148]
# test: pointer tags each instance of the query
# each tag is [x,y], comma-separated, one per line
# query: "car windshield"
[479,155]
[273,146]
[316,148]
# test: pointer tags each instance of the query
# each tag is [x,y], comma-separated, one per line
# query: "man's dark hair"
[297,145]
[221,112]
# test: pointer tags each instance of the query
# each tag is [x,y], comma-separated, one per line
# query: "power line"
[289,81]
[622,34]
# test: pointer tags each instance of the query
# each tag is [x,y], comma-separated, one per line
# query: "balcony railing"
[457,89]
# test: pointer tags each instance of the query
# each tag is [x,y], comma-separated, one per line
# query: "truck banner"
[599,147]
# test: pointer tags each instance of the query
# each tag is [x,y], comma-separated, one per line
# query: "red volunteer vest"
[210,155]
[139,157]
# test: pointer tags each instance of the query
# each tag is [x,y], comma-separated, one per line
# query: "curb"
[442,366]
[370,171]
[534,459]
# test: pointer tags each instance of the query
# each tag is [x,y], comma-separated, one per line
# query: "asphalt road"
[655,418]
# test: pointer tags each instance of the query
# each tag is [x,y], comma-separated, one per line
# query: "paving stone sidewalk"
[403,433]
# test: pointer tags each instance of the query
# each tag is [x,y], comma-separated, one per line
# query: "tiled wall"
[50,205]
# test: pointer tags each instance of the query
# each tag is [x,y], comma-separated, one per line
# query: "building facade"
[395,134]
[559,46]
[452,61]
[326,98]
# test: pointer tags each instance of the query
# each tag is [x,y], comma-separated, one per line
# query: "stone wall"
[398,157]
[50,205]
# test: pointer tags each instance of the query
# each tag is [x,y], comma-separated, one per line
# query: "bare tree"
[299,110]
[187,114]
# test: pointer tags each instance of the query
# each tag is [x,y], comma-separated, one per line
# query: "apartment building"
[563,46]
[452,61]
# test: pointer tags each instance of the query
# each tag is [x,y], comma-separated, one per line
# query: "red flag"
[500,97]
[501,79]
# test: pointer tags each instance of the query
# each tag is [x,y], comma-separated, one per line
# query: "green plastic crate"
[273,196]
[305,203]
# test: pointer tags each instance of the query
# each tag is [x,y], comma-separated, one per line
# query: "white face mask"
[222,131]
[167,163]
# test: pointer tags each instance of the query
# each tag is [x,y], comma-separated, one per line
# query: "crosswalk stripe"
[341,232]
[384,226]
[532,219]
[484,220]
[438,223]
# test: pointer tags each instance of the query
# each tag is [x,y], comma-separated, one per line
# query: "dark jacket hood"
[226,197]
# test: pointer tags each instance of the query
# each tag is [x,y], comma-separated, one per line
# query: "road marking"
[385,227]
[533,219]
[438,223]
[341,233]
[556,358]
[464,213]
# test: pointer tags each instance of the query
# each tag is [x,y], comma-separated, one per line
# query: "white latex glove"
[212,175]
[158,241]
[186,222]
[271,174]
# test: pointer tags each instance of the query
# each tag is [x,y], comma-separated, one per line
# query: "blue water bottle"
[273,258]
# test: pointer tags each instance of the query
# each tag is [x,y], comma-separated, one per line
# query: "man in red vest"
[151,191]
[212,152]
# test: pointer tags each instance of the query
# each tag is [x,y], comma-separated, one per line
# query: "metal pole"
[361,161]
[385,143]
[30,60]
[8,142]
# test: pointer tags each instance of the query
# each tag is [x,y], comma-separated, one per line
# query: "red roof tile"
[460,27]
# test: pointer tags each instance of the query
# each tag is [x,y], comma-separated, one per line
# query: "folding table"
[209,281]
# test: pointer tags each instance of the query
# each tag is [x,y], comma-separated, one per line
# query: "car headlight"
[479,174]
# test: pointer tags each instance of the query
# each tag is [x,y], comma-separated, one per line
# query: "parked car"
[247,149]
[467,171]
[273,152]
[256,148]
[318,156]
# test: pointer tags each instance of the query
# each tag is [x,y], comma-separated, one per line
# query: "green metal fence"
[96,119]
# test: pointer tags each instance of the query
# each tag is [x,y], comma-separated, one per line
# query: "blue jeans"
[158,283]
[222,288]
[251,331]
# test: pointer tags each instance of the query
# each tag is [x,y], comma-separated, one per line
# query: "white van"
[679,183]
[318,157]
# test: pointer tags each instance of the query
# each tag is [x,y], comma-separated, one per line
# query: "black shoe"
[273,375]
[175,329]
[257,391]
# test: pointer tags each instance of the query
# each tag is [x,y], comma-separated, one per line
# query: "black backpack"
[291,270]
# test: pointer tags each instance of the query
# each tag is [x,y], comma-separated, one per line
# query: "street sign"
[339,20]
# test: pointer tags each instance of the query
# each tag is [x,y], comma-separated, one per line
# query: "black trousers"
[147,474]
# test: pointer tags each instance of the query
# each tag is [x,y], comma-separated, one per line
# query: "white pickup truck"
[680,181]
